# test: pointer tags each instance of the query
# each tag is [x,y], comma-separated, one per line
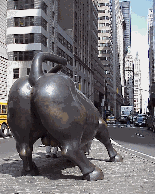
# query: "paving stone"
[135,175]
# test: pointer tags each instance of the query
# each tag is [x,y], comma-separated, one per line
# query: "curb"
[134,152]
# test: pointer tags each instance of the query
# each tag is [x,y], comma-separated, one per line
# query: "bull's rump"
[61,110]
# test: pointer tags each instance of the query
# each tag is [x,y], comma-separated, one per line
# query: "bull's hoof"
[117,158]
[33,172]
[97,174]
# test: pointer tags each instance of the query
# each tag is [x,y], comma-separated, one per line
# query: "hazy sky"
[139,38]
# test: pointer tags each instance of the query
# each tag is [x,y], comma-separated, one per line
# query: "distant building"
[105,49]
[3,52]
[151,50]
[151,56]
[137,85]
[125,7]
[79,18]
[129,77]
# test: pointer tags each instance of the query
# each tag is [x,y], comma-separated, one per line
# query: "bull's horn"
[36,67]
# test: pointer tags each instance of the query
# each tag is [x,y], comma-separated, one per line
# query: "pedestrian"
[51,154]
[128,121]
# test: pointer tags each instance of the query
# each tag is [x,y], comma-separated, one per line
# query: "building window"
[44,23]
[44,40]
[53,46]
[23,38]
[53,15]
[28,71]
[75,15]
[53,29]
[16,73]
[44,7]
[24,21]
[23,55]
[23,4]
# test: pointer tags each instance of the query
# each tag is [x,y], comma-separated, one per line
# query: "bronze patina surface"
[48,106]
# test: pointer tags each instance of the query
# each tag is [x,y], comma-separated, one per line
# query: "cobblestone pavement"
[135,175]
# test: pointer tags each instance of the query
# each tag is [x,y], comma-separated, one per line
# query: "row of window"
[103,11]
[65,43]
[103,18]
[104,45]
[103,4]
[23,55]
[28,38]
[23,38]
[103,24]
[104,51]
[64,70]
[28,21]
[103,31]
[61,53]
[105,58]
[103,38]
[23,4]
[28,4]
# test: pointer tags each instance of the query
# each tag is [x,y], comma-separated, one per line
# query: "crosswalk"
[121,125]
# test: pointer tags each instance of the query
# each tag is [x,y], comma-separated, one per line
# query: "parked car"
[111,120]
[151,123]
[123,119]
[140,121]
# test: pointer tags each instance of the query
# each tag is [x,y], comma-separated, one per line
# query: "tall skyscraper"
[79,18]
[3,52]
[137,85]
[150,43]
[105,48]
[129,77]
[125,7]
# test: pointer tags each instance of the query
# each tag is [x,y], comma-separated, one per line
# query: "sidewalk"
[135,175]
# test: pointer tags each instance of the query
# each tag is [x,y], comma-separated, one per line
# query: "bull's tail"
[36,67]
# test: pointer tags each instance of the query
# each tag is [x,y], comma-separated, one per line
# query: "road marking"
[115,143]
[5,137]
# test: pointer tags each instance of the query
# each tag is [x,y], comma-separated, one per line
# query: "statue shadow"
[48,167]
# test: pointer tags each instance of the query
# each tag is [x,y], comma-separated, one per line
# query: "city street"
[135,175]
[135,138]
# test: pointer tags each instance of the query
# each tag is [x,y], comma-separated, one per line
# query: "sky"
[139,41]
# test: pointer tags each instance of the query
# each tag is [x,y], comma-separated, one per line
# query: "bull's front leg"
[25,153]
[103,136]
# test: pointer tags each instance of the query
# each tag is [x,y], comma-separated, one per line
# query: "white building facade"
[137,85]
[150,43]
[125,7]
[31,28]
[129,77]
[3,52]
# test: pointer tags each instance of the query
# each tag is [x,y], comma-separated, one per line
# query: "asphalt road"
[8,147]
[136,138]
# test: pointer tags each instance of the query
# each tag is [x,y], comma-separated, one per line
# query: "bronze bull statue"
[48,106]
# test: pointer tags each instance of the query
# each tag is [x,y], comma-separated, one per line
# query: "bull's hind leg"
[103,136]
[90,172]
[25,153]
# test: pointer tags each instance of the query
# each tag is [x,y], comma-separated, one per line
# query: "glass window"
[16,73]
[4,108]
[28,71]
[31,38]
[31,21]
[21,22]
